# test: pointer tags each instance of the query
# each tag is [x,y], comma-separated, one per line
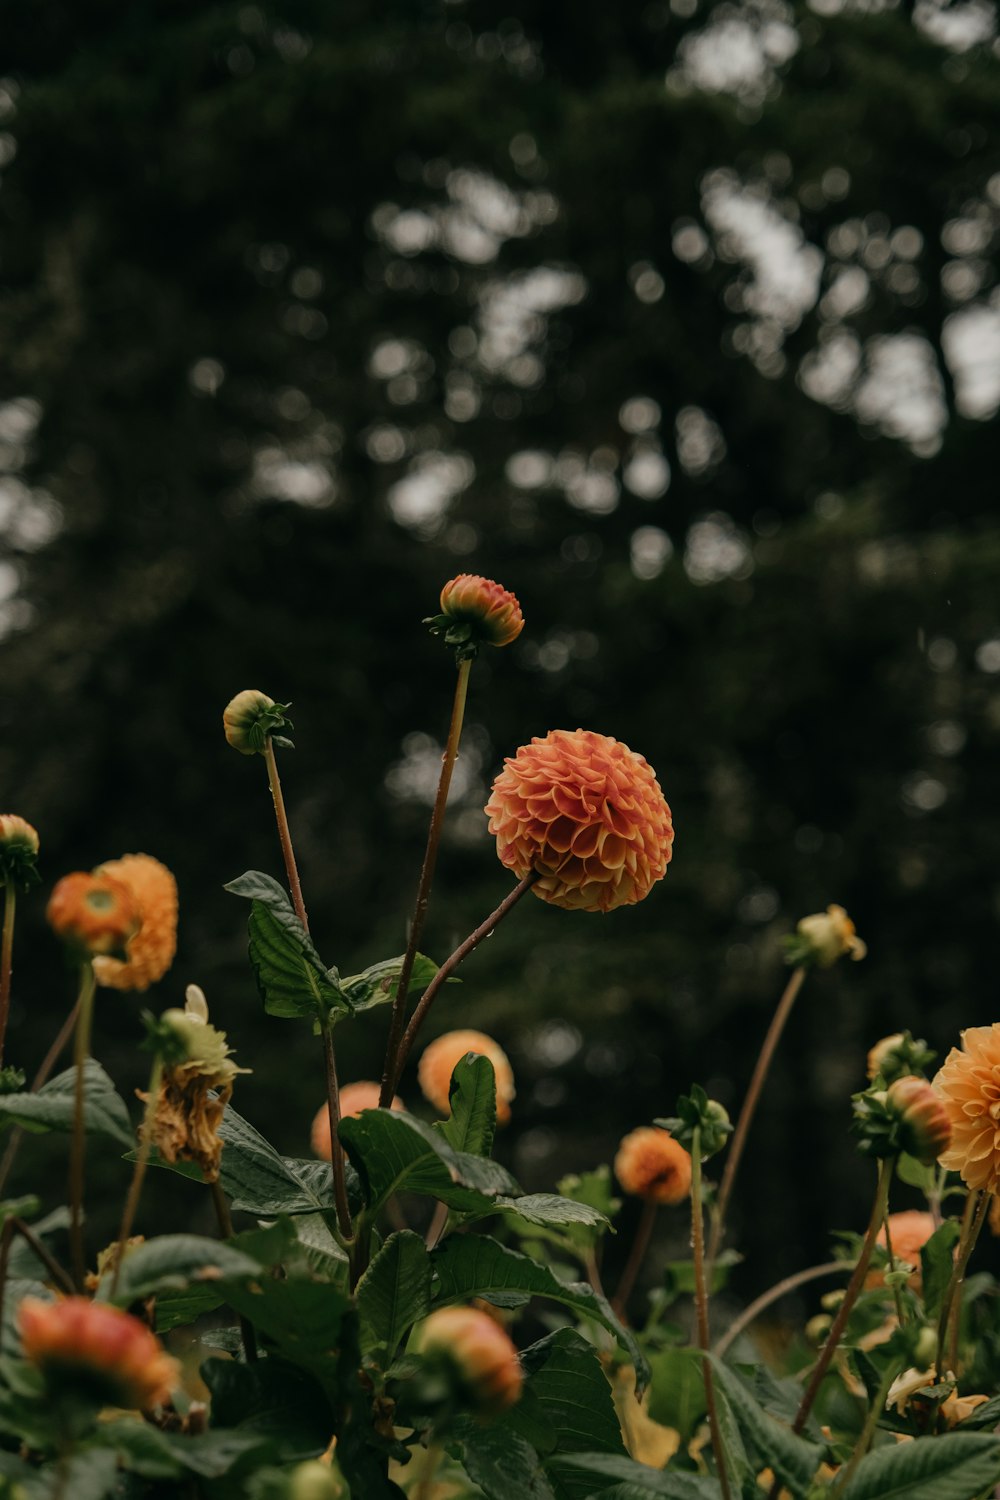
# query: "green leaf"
[550,1211]
[392,1151]
[291,976]
[937,1260]
[501,1462]
[469,1265]
[676,1391]
[393,1294]
[274,1400]
[174,1262]
[377,984]
[91,1475]
[957,1466]
[915,1174]
[638,1480]
[22,1263]
[680,1273]
[301,1318]
[794,1459]
[52,1108]
[473,1098]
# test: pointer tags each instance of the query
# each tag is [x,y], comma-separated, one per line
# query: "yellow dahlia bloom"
[650,1164]
[586,813]
[479,1349]
[440,1059]
[354,1097]
[111,1351]
[94,913]
[151,951]
[492,611]
[968,1085]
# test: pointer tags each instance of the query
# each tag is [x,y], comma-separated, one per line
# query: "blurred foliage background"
[679,319]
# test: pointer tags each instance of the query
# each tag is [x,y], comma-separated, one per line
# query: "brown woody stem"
[81,1051]
[225,1221]
[640,1245]
[6,957]
[971,1225]
[139,1170]
[284,834]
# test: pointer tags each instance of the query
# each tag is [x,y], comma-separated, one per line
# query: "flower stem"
[6,954]
[450,965]
[850,1296]
[640,1245]
[41,1077]
[896,1293]
[336,1150]
[225,1221]
[284,833]
[40,1250]
[139,1170]
[971,1226]
[774,1294]
[701,1309]
[760,1072]
[81,1051]
[397,1022]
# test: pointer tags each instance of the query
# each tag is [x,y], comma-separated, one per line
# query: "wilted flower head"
[100,1348]
[479,1352]
[95,914]
[18,850]
[968,1086]
[587,815]
[441,1058]
[650,1164]
[909,1232]
[354,1097]
[150,952]
[823,938]
[196,1086]
[474,612]
[251,719]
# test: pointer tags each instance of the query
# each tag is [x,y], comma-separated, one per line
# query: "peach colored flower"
[151,951]
[586,813]
[492,611]
[77,1337]
[440,1059]
[94,913]
[354,1097]
[650,1164]
[968,1085]
[479,1349]
[909,1232]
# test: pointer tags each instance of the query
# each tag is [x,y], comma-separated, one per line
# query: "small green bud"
[696,1111]
[897,1056]
[251,719]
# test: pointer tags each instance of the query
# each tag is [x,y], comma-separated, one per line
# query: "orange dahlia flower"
[480,1351]
[650,1164]
[94,913]
[354,1097]
[126,1364]
[441,1058]
[493,612]
[151,951]
[586,813]
[968,1086]
[909,1232]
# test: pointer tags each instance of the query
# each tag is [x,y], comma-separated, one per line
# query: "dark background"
[305,308]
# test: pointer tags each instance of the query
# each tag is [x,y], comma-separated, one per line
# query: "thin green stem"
[397,1022]
[139,1169]
[225,1222]
[450,965]
[640,1245]
[336,1150]
[6,957]
[971,1226]
[701,1310]
[760,1072]
[774,1294]
[77,1151]
[40,1250]
[896,1293]
[284,834]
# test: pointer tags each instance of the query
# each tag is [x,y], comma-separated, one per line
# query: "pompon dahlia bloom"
[480,1352]
[650,1164]
[491,611]
[968,1086]
[95,914]
[586,813]
[909,1232]
[354,1097]
[150,952]
[99,1345]
[441,1058]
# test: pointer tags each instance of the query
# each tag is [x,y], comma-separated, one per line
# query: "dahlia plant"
[394,1316]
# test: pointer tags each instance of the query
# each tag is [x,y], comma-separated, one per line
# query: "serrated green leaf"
[937,1260]
[679,1274]
[473,1099]
[291,976]
[377,984]
[676,1391]
[175,1262]
[956,1466]
[550,1211]
[794,1459]
[393,1294]
[302,1319]
[501,1462]
[393,1151]
[468,1265]
[638,1480]
[52,1108]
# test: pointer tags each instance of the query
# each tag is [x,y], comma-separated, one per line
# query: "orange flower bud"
[151,951]
[587,815]
[479,1351]
[925,1129]
[492,612]
[966,1085]
[354,1097]
[909,1232]
[441,1058]
[650,1164]
[100,1347]
[94,913]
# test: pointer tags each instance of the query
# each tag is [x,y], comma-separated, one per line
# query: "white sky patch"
[739,51]
[420,501]
[901,391]
[971,340]
[750,229]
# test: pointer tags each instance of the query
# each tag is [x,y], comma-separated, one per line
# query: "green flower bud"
[18,851]
[251,719]
[696,1111]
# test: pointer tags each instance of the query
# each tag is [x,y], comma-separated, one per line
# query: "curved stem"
[640,1245]
[139,1170]
[336,1149]
[970,1234]
[81,1051]
[6,957]
[760,1072]
[390,1069]
[774,1294]
[450,965]
[284,834]
[701,1310]
[41,1077]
